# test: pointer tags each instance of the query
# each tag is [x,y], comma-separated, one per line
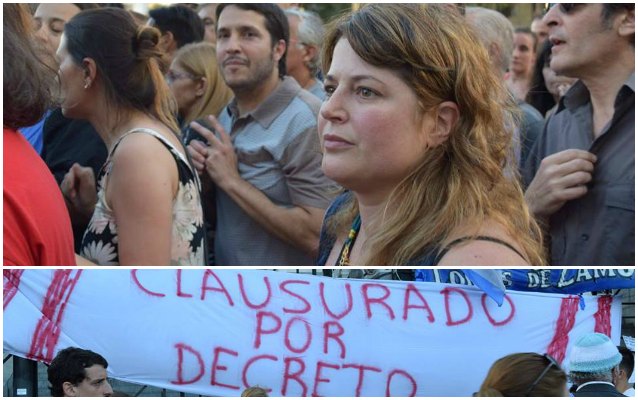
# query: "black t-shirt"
[65,142]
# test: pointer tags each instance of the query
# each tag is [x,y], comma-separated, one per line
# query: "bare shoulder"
[142,164]
[141,150]
[484,252]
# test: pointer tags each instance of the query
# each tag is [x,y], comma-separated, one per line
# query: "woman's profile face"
[523,57]
[74,82]
[50,19]
[372,132]
[184,87]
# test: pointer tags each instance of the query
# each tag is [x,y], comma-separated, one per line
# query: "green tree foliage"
[327,11]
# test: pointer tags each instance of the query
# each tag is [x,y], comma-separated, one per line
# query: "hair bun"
[146,43]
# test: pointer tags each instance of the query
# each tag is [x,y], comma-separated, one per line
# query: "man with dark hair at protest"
[179,25]
[77,372]
[593,363]
[265,163]
[580,173]
[626,370]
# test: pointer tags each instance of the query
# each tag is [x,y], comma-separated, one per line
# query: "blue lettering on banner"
[564,281]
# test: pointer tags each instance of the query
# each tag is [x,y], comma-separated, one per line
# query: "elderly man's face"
[296,49]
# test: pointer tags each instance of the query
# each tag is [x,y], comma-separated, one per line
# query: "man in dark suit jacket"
[594,365]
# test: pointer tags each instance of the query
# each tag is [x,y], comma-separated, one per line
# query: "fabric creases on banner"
[216,332]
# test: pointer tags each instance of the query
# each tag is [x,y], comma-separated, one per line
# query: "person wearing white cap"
[593,366]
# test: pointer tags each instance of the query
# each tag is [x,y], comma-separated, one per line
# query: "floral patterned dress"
[100,242]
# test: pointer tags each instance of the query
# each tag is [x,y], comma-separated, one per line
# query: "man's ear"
[615,375]
[279,50]
[69,389]
[200,89]
[622,374]
[309,53]
[494,51]
[167,42]
[627,27]
[446,115]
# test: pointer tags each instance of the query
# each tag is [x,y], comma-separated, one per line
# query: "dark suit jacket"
[598,390]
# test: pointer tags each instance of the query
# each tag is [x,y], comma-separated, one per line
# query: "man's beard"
[263,71]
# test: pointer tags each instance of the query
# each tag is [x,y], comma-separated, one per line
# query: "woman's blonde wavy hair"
[200,60]
[461,182]
[514,375]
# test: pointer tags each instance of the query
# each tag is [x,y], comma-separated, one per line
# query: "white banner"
[216,332]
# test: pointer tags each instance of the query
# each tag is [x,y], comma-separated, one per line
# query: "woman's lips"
[334,142]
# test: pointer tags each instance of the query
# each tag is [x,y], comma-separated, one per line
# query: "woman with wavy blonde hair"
[197,84]
[524,375]
[414,128]
[148,209]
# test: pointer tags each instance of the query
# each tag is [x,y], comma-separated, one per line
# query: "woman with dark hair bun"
[148,209]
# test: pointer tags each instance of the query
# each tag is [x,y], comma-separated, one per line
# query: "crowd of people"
[596,368]
[257,134]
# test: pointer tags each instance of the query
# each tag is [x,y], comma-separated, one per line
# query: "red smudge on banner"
[566,319]
[10,287]
[603,315]
[47,332]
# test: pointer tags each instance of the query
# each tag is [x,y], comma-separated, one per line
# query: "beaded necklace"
[344,255]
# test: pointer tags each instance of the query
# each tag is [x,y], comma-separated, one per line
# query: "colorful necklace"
[344,256]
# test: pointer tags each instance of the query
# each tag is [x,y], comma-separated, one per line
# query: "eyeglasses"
[552,362]
[172,76]
[565,8]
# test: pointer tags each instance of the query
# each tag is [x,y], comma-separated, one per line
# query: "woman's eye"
[329,90]
[57,28]
[365,92]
